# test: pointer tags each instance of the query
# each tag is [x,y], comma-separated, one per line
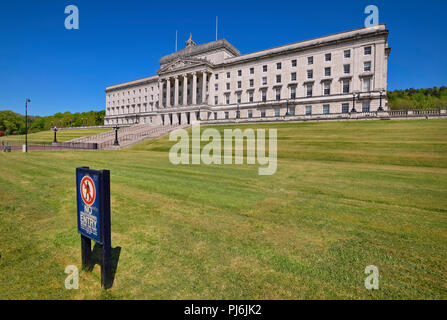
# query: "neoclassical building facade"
[332,76]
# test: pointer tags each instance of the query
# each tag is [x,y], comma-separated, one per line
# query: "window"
[293,76]
[325,109]
[292,111]
[308,110]
[367,66]
[294,63]
[365,106]
[310,74]
[310,60]
[327,88]
[250,96]
[278,66]
[215,115]
[228,75]
[278,78]
[238,114]
[216,76]
[264,81]
[226,115]
[239,84]
[345,86]
[277,113]
[262,113]
[264,68]
[327,71]
[367,51]
[347,54]
[345,107]
[346,68]
[309,90]
[250,114]
[227,99]
[252,70]
[327,57]
[264,95]
[252,82]
[278,93]
[216,87]
[216,100]
[239,73]
[366,84]
[238,98]
[293,93]
[228,86]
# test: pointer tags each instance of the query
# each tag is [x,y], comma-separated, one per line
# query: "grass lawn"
[346,195]
[46,137]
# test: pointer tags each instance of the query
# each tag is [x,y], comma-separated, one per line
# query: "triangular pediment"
[180,64]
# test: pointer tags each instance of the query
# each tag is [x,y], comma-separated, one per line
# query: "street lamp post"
[26,124]
[116,143]
[55,138]
[353,103]
[380,105]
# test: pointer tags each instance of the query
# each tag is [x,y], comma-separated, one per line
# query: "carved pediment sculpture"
[181,64]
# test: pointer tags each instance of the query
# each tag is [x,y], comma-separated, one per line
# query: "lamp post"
[116,143]
[26,124]
[353,101]
[55,138]
[380,105]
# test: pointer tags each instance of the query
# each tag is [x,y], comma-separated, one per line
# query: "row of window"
[292,110]
[310,61]
[345,108]
[293,76]
[346,84]
[128,92]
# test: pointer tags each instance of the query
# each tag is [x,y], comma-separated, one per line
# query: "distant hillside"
[418,98]
[14,123]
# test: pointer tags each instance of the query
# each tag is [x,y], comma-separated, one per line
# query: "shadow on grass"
[96,258]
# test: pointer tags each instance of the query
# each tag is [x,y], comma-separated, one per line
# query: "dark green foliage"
[14,123]
[431,98]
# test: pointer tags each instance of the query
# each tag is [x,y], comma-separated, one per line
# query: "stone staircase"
[127,136]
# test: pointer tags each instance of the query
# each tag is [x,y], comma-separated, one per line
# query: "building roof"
[192,50]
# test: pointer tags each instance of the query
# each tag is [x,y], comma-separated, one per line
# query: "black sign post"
[93,202]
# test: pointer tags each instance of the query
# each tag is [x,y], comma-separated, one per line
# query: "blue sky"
[68,70]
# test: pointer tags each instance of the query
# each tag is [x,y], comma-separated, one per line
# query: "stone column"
[176,91]
[168,93]
[185,90]
[204,100]
[160,94]
[194,88]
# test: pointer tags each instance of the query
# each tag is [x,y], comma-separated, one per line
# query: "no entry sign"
[93,202]
[89,204]
[88,190]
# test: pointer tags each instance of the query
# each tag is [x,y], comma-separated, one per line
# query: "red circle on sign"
[88,190]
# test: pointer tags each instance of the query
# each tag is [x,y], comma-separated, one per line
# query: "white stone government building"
[335,76]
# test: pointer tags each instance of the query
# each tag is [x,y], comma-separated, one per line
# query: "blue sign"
[89,200]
